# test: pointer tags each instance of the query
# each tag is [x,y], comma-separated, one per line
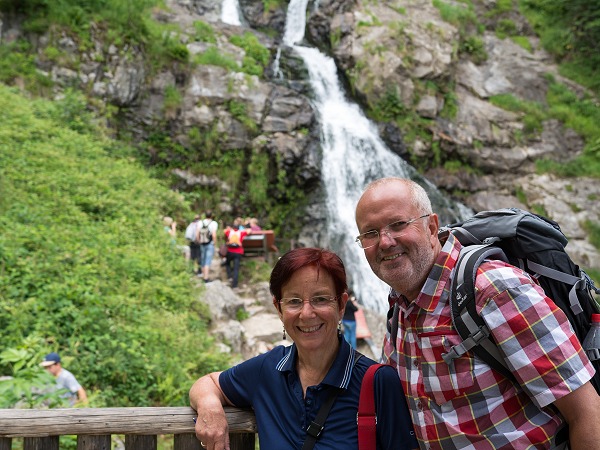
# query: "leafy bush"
[204,32]
[86,264]
[257,56]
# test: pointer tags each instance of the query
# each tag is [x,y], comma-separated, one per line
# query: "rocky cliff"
[402,54]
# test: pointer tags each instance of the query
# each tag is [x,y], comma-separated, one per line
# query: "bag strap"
[465,319]
[366,417]
[316,427]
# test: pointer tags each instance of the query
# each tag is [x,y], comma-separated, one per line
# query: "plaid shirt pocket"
[444,382]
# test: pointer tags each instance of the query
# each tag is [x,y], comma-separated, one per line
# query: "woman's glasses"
[319,302]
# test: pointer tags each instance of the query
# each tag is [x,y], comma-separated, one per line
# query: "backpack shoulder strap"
[366,417]
[467,322]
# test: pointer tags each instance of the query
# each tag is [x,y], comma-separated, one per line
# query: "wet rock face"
[377,46]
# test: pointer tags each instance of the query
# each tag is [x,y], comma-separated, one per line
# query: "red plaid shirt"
[466,404]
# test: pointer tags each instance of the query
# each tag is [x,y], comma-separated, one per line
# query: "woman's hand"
[212,429]
[208,400]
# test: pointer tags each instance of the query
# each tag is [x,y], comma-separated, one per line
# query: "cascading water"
[230,12]
[353,156]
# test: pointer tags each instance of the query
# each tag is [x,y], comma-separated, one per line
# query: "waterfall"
[353,156]
[230,12]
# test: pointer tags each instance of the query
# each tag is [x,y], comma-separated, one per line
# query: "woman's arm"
[207,398]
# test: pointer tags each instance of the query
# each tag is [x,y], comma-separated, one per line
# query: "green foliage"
[389,107]
[593,231]
[17,64]
[505,28]
[450,109]
[533,113]
[126,17]
[173,98]
[500,7]
[523,41]
[257,56]
[204,32]
[456,14]
[258,184]
[213,57]
[475,48]
[86,264]
[28,385]
[569,29]
[272,5]
[238,110]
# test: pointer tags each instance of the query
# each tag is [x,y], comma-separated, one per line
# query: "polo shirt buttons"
[416,363]
[419,405]
[308,401]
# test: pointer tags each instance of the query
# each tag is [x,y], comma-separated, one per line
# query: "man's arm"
[207,398]
[82,396]
[581,410]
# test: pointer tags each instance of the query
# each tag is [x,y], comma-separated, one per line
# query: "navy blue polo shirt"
[269,384]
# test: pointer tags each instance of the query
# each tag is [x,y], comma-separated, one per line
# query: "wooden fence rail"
[41,428]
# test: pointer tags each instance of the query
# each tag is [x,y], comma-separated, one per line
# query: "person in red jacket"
[235,236]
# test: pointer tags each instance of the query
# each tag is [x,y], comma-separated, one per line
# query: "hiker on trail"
[235,235]
[207,236]
[287,386]
[466,403]
[254,226]
[64,379]
[170,226]
[191,235]
[349,321]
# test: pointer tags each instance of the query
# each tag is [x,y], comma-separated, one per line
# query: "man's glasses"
[393,230]
[319,302]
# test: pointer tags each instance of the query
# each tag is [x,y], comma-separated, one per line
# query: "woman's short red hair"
[298,258]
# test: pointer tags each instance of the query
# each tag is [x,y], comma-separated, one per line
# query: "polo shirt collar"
[340,372]
[433,289]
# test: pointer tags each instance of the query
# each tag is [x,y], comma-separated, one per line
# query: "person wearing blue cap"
[64,379]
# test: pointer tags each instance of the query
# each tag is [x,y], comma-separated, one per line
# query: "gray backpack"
[205,236]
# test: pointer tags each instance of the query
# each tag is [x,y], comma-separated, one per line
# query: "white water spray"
[353,156]
[230,12]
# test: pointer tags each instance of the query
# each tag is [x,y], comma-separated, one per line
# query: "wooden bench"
[260,243]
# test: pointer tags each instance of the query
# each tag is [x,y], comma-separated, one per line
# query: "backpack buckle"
[473,340]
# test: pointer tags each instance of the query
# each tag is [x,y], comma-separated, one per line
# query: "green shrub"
[213,57]
[86,264]
[204,32]
[257,56]
[505,27]
[475,48]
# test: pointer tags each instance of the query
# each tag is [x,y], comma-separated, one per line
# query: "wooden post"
[140,442]
[98,442]
[187,441]
[241,441]
[41,443]
[5,443]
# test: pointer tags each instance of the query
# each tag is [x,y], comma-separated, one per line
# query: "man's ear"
[433,225]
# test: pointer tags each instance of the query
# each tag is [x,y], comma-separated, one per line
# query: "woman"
[287,385]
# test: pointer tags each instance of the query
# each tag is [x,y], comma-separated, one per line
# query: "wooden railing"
[93,427]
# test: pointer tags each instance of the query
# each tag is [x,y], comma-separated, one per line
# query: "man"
[191,235]
[207,236]
[235,235]
[64,379]
[466,404]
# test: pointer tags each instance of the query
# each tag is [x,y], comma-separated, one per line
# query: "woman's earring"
[284,333]
[340,326]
